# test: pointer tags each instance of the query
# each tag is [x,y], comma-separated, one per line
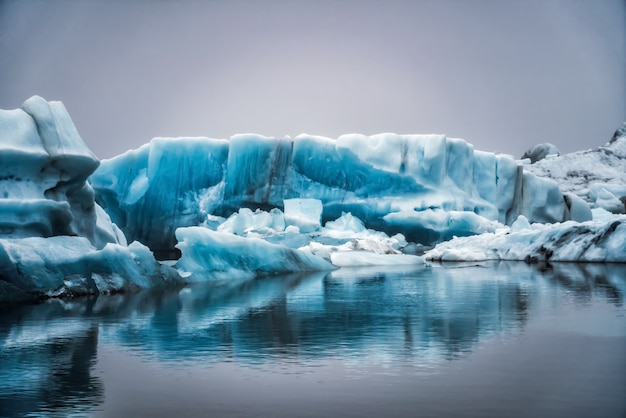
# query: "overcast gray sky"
[503,75]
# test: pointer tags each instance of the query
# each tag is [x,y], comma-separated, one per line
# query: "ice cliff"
[429,187]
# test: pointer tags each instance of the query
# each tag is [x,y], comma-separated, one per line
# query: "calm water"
[469,341]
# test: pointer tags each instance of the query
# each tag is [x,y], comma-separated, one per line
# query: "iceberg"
[428,187]
[54,238]
[365,258]
[44,166]
[223,254]
[265,243]
[71,266]
[254,205]
[597,241]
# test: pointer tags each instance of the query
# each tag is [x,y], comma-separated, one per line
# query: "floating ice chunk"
[108,283]
[245,222]
[398,241]
[345,226]
[318,249]
[367,258]
[306,214]
[278,220]
[372,244]
[54,238]
[205,251]
[67,265]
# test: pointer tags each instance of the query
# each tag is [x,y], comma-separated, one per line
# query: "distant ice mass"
[619,133]
[598,175]
[541,151]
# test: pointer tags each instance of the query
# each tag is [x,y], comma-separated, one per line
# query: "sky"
[504,75]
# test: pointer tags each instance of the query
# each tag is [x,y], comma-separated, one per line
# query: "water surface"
[491,340]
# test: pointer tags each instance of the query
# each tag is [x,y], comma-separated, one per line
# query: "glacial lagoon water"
[455,340]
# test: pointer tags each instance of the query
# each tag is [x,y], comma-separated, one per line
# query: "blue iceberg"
[255,205]
[428,187]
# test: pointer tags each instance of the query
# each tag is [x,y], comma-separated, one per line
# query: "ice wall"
[395,183]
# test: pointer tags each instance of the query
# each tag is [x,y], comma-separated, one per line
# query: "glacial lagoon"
[454,340]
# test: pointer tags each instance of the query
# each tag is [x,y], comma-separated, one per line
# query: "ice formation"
[306,214]
[224,254]
[44,165]
[69,266]
[265,243]
[429,187]
[593,241]
[598,176]
[541,151]
[54,238]
[257,205]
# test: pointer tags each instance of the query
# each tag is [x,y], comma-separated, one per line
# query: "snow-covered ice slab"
[366,258]
[206,252]
[596,175]
[592,241]
[66,265]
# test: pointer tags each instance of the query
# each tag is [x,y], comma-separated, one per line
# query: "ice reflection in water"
[370,322]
